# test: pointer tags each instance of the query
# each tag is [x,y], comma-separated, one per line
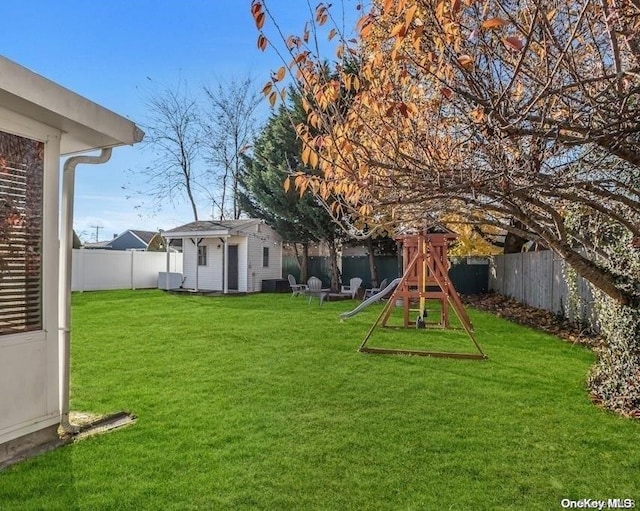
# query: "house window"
[202,255]
[21,183]
[265,257]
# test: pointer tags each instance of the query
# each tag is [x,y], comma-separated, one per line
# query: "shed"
[40,121]
[229,255]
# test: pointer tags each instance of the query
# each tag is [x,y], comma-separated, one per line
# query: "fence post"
[133,255]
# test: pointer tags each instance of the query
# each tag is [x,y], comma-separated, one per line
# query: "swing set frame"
[425,277]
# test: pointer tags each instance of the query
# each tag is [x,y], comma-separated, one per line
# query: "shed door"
[232,268]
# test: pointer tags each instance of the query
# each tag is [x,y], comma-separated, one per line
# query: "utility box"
[174,282]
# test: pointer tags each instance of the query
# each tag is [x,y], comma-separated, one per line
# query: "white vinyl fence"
[94,270]
[537,279]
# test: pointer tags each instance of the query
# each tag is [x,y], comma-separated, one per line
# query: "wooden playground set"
[425,277]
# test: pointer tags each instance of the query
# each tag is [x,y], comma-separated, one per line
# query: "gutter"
[64,288]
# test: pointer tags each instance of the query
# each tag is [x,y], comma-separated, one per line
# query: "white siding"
[209,276]
[241,242]
[29,362]
[250,243]
[265,237]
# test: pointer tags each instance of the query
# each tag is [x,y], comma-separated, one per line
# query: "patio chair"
[314,289]
[296,289]
[374,290]
[352,288]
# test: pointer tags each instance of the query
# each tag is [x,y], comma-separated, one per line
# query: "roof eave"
[85,125]
[196,234]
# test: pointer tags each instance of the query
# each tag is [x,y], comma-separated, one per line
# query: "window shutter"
[21,182]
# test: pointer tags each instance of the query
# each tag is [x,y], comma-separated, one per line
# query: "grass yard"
[262,402]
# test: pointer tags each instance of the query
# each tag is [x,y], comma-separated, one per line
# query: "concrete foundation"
[29,445]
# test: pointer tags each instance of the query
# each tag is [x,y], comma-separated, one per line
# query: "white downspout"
[64,294]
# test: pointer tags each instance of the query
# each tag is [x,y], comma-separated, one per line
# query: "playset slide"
[373,299]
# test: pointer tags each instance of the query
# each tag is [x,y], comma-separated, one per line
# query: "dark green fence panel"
[290,266]
[469,275]
[358,266]
[318,266]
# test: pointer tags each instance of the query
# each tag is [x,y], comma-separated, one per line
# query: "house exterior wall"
[263,236]
[29,362]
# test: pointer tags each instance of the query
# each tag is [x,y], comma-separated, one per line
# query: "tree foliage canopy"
[521,115]
[498,111]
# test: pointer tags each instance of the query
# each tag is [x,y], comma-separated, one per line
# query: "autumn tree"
[522,116]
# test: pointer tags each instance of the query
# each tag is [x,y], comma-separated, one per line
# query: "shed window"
[202,255]
[21,182]
[265,257]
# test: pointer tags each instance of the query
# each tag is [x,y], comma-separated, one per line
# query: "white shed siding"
[188,264]
[241,242]
[266,237]
[250,242]
[209,276]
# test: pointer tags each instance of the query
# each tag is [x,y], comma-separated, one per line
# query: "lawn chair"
[314,289]
[352,288]
[374,290]
[296,289]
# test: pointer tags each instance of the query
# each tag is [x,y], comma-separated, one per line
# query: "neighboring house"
[228,256]
[41,121]
[128,240]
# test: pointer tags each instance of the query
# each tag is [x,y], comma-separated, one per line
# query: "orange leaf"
[447,93]
[262,42]
[273,97]
[494,23]
[514,43]
[332,33]
[280,74]
[267,88]
[455,6]
[313,159]
[398,30]
[287,184]
[305,154]
[410,14]
[366,30]
[466,61]
[260,20]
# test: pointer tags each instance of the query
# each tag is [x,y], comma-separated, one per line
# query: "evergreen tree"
[299,219]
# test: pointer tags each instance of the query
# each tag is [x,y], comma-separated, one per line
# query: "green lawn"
[262,402]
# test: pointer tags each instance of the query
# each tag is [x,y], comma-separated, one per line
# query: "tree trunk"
[334,272]
[373,267]
[192,201]
[599,277]
[304,265]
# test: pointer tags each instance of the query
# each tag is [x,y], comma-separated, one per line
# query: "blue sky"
[107,51]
